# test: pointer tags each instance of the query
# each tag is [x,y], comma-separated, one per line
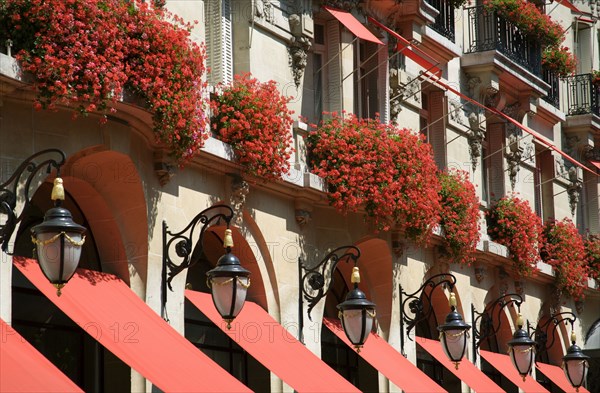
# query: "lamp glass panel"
[522,358]
[576,371]
[223,289]
[353,325]
[454,344]
[49,255]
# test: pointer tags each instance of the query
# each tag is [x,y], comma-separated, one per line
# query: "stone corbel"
[303,212]
[164,168]
[513,155]
[298,49]
[475,138]
[574,188]
[480,273]
[398,244]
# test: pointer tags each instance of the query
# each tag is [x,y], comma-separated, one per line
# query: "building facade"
[456,73]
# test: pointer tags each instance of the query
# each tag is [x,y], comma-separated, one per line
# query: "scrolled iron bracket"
[541,332]
[181,242]
[489,320]
[415,304]
[26,172]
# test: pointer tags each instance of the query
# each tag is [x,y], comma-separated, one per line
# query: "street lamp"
[58,239]
[356,312]
[575,363]
[454,333]
[229,281]
[521,350]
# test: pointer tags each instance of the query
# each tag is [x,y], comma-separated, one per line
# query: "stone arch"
[98,179]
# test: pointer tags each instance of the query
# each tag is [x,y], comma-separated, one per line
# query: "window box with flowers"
[83,53]
[592,249]
[559,60]
[564,250]
[385,170]
[512,223]
[595,74]
[253,117]
[459,216]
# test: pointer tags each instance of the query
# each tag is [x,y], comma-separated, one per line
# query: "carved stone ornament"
[479,273]
[303,217]
[573,189]
[298,49]
[396,93]
[513,155]
[475,138]
[579,306]
[345,5]
[472,83]
[591,153]
[239,192]
[163,168]
[264,10]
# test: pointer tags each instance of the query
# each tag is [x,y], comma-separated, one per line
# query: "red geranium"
[565,251]
[386,170]
[459,216]
[592,249]
[82,53]
[253,117]
[511,222]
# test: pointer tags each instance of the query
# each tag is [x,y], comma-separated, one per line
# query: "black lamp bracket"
[181,242]
[415,303]
[542,333]
[316,281]
[27,171]
[489,320]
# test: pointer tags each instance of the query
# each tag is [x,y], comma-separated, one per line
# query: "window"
[543,176]
[219,38]
[366,67]
[433,122]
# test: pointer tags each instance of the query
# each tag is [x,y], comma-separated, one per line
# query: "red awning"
[414,53]
[503,364]
[384,358]
[274,347]
[107,309]
[24,369]
[558,377]
[467,371]
[595,163]
[352,24]
[570,6]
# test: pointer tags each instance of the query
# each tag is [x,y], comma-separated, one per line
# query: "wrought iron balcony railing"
[553,94]
[488,31]
[582,95]
[444,22]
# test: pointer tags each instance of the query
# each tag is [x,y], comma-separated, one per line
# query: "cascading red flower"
[592,249]
[82,53]
[383,169]
[254,118]
[459,216]
[565,251]
[511,222]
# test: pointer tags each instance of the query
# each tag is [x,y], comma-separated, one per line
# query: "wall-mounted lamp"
[356,312]
[521,350]
[453,333]
[228,281]
[487,324]
[58,239]
[575,362]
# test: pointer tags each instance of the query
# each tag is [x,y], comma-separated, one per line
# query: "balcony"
[582,95]
[487,31]
[553,96]
[444,22]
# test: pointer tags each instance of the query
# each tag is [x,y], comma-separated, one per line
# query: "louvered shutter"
[495,135]
[219,38]
[333,97]
[592,189]
[437,126]
[383,84]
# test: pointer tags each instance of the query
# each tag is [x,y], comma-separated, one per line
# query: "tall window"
[366,72]
[433,122]
[544,189]
[219,38]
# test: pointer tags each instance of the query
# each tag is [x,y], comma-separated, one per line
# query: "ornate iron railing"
[582,95]
[444,22]
[553,94]
[488,31]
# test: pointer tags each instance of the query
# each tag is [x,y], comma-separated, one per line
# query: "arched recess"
[555,339]
[108,189]
[376,272]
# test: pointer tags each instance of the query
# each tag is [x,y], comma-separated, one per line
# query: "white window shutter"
[383,90]
[219,38]
[333,97]
[495,135]
[591,188]
[437,126]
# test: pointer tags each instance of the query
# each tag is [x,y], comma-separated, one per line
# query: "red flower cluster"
[388,171]
[595,77]
[559,60]
[84,52]
[511,222]
[592,249]
[527,17]
[253,117]
[459,216]
[565,251]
